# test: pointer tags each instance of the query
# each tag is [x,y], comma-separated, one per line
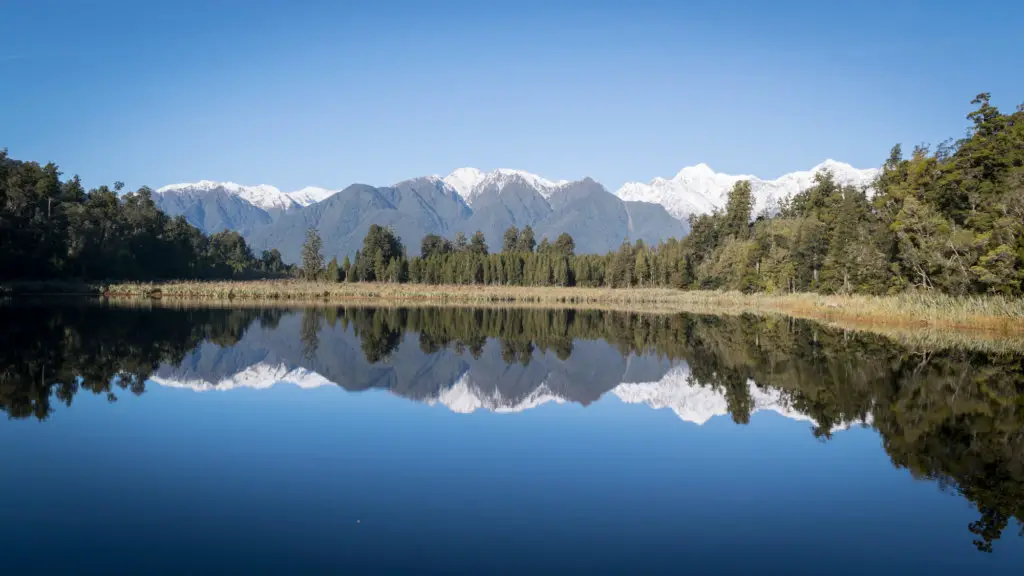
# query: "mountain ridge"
[675,391]
[469,200]
[699,189]
[706,187]
[262,196]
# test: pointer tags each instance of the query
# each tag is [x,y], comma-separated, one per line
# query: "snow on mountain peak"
[259,376]
[676,390]
[700,190]
[465,397]
[262,196]
[543,184]
[468,182]
[695,403]
[311,195]
[201,185]
[464,180]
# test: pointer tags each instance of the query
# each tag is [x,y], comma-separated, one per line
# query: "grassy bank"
[995,315]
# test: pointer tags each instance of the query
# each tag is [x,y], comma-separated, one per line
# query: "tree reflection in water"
[953,416]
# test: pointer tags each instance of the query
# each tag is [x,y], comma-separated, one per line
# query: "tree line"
[55,229]
[951,220]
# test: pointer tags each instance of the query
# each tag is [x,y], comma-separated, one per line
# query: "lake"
[358,440]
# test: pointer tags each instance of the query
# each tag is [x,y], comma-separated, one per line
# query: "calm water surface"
[360,440]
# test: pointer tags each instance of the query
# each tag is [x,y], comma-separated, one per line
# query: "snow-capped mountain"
[471,182]
[312,195]
[690,401]
[469,200]
[695,403]
[263,196]
[699,189]
[258,376]
[464,397]
[698,404]
[464,180]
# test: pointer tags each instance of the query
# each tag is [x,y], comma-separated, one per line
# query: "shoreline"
[918,320]
[993,315]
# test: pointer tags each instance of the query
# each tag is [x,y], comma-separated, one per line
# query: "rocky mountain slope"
[468,200]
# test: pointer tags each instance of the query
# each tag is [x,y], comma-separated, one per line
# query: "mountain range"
[468,200]
[699,189]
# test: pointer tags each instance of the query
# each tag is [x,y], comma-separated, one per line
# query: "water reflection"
[951,416]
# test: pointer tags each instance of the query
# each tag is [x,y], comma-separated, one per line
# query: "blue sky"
[330,93]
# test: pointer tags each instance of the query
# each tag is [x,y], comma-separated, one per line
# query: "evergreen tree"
[511,240]
[565,246]
[312,259]
[333,273]
[271,262]
[641,268]
[357,268]
[346,268]
[624,265]
[738,209]
[526,242]
[478,244]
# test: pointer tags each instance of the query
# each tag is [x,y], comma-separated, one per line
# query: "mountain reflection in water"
[955,417]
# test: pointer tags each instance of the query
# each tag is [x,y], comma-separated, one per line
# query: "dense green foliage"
[49,354]
[951,221]
[55,229]
[382,258]
[312,256]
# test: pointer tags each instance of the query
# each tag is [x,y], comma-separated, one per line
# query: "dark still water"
[360,440]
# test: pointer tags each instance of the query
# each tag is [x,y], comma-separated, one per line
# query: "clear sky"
[329,93]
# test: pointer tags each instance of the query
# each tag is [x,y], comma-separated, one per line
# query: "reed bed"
[998,316]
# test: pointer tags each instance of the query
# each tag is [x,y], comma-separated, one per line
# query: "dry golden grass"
[996,316]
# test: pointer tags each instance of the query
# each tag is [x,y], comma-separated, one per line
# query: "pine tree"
[416,271]
[478,244]
[526,242]
[511,240]
[333,272]
[738,209]
[565,245]
[312,259]
[394,271]
[357,269]
[380,268]
[641,267]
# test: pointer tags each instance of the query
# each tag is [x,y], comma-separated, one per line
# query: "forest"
[53,229]
[949,220]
